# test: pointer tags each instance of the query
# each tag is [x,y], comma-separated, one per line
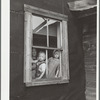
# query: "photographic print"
[52,50]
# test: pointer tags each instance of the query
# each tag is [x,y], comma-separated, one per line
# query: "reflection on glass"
[53,33]
[39,31]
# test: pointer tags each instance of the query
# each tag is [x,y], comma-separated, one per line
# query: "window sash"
[29,10]
[47,48]
[59,33]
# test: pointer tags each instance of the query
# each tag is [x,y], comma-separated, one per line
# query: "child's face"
[57,55]
[34,52]
[42,57]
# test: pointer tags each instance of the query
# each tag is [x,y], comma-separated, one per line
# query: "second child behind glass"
[54,65]
[34,62]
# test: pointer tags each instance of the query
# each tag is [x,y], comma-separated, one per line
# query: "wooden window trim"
[46,13]
[46,82]
[29,10]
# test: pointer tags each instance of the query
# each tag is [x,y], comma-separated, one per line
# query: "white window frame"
[29,10]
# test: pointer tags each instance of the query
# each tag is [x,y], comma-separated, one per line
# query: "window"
[45,47]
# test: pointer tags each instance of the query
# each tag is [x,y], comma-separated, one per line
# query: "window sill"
[46,82]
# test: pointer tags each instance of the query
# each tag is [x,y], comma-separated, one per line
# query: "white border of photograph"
[5,50]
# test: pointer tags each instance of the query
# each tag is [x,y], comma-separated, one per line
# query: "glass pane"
[54,64]
[54,33]
[39,27]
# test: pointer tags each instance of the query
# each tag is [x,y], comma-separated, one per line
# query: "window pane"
[54,64]
[39,26]
[38,63]
[49,66]
[54,33]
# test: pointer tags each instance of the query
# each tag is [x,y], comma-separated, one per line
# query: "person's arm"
[43,69]
[34,61]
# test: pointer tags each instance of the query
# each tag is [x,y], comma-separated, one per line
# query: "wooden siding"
[75,89]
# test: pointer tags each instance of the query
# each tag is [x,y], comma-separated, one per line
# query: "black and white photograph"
[49,50]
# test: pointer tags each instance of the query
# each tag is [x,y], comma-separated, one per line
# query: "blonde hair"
[41,52]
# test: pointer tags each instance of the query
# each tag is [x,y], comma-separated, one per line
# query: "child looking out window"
[34,62]
[54,65]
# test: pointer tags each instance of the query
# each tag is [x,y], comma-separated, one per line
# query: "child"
[54,65]
[34,61]
[41,66]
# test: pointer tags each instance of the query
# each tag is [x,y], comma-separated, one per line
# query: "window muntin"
[50,21]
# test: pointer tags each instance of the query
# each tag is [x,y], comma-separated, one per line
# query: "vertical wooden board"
[27,47]
[14,46]
[17,5]
[21,32]
[65,54]
[16,74]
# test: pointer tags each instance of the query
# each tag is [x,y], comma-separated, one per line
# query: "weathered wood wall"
[89,41]
[74,90]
